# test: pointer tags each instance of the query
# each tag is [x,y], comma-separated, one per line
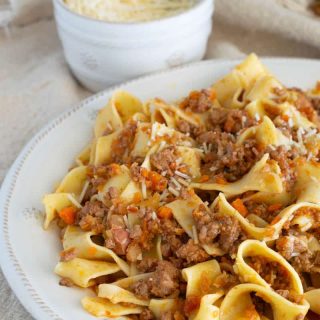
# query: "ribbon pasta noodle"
[206,208]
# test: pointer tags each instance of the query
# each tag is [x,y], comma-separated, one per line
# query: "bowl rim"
[198,6]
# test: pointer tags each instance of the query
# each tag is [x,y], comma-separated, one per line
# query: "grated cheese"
[74,201]
[84,191]
[173,191]
[129,10]
[181,174]
[144,190]
[176,183]
[195,235]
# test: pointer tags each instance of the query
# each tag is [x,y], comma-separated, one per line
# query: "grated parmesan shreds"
[79,162]
[84,191]
[272,147]
[126,221]
[162,145]
[173,191]
[290,122]
[154,215]
[164,173]
[306,227]
[164,195]
[74,201]
[144,190]
[243,120]
[310,133]
[176,183]
[195,235]
[299,135]
[153,131]
[181,174]
[204,147]
[314,179]
[183,182]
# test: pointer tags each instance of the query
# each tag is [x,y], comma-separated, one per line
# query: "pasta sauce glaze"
[169,229]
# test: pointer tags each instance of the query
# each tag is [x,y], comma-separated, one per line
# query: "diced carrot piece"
[239,206]
[213,95]
[221,180]
[229,124]
[92,251]
[275,207]
[285,117]
[68,215]
[164,213]
[137,197]
[192,303]
[204,178]
[173,165]
[158,182]
[194,95]
[144,172]
[275,220]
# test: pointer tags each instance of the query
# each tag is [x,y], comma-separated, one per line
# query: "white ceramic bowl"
[101,54]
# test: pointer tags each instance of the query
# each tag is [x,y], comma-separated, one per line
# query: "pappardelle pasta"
[205,208]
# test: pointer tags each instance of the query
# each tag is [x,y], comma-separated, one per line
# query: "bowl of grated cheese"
[110,41]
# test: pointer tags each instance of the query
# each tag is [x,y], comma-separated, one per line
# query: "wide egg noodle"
[308,179]
[102,308]
[192,158]
[121,107]
[116,294]
[103,148]
[133,188]
[81,242]
[53,203]
[252,248]
[237,302]
[74,182]
[118,181]
[264,176]
[265,134]
[208,310]
[141,141]
[162,116]
[160,306]
[169,113]
[263,88]
[242,78]
[268,233]
[82,272]
[312,297]
[83,158]
[182,211]
[199,274]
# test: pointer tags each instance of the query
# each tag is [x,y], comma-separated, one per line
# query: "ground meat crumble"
[162,283]
[214,227]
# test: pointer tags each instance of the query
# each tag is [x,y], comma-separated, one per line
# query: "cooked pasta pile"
[206,208]
[129,10]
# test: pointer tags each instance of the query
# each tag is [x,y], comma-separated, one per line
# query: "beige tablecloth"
[36,85]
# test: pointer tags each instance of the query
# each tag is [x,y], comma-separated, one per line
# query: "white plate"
[28,254]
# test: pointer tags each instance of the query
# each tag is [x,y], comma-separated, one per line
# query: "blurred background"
[36,84]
